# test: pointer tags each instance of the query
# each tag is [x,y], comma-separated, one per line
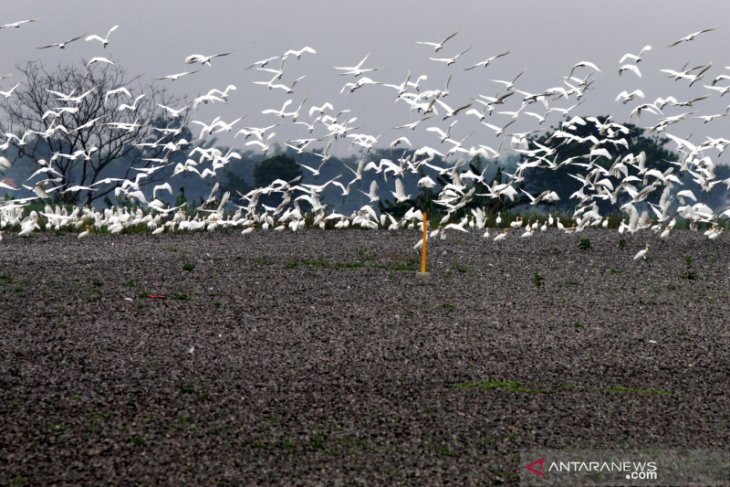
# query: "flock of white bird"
[629,181]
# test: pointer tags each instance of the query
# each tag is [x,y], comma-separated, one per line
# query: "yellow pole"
[423,247]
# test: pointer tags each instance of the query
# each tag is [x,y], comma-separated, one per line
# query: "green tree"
[582,138]
[65,120]
[280,166]
[234,183]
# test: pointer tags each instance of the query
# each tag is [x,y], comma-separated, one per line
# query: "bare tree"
[90,129]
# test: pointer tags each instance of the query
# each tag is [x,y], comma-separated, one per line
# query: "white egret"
[104,40]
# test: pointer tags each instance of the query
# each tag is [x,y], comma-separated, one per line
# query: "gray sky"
[545,37]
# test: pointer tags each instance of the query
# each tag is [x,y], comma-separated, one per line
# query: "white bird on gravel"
[641,254]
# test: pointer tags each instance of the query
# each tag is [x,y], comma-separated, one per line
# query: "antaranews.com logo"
[632,470]
[645,468]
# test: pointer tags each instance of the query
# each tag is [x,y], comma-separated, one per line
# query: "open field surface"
[319,358]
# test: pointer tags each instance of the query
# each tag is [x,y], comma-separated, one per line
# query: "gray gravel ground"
[318,358]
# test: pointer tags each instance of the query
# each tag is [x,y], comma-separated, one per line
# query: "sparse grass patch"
[516,386]
[350,265]
[139,440]
[460,268]
[622,243]
[20,481]
[263,261]
[509,385]
[316,263]
[180,296]
[318,441]
[637,390]
[689,272]
[5,279]
[364,255]
[447,306]
[182,422]
[585,244]
[444,449]
[406,265]
[188,266]
[538,280]
[200,393]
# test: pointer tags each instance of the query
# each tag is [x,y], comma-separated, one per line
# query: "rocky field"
[319,357]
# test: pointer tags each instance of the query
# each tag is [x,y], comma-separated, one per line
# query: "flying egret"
[203,59]
[104,40]
[690,37]
[437,46]
[62,45]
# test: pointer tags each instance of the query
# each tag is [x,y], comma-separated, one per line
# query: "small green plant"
[448,306]
[292,264]
[315,263]
[405,266]
[585,244]
[622,243]
[364,255]
[180,296]
[689,272]
[318,441]
[638,390]
[20,481]
[538,280]
[509,385]
[188,266]
[139,440]
[350,265]
[461,269]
